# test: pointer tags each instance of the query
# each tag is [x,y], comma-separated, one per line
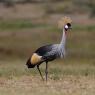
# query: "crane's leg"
[46,71]
[40,72]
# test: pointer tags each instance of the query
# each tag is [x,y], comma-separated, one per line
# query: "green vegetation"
[19,24]
[26,24]
[84,28]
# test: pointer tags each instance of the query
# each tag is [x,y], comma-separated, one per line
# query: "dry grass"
[64,79]
[69,85]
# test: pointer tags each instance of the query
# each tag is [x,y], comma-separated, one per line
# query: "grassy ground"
[67,79]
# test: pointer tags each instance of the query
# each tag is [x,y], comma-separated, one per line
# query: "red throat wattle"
[65,32]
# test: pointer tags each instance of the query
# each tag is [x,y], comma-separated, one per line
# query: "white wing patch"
[35,58]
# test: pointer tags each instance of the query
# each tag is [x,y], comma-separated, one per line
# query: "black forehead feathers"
[69,24]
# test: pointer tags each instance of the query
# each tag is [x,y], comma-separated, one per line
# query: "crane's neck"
[61,48]
[63,40]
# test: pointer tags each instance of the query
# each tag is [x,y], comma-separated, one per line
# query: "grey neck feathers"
[62,45]
[63,40]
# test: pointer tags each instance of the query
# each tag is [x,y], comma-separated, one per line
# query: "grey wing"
[44,50]
[51,55]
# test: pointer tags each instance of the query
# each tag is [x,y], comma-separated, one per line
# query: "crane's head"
[65,22]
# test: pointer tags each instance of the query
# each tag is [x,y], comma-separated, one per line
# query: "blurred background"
[26,25]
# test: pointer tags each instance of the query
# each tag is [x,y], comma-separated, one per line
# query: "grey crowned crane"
[50,52]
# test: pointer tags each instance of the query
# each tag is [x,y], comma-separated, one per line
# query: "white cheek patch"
[66,26]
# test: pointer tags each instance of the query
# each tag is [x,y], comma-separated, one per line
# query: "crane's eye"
[69,25]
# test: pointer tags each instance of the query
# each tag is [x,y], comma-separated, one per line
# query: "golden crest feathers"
[63,21]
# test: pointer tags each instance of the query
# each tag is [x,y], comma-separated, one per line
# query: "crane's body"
[48,52]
